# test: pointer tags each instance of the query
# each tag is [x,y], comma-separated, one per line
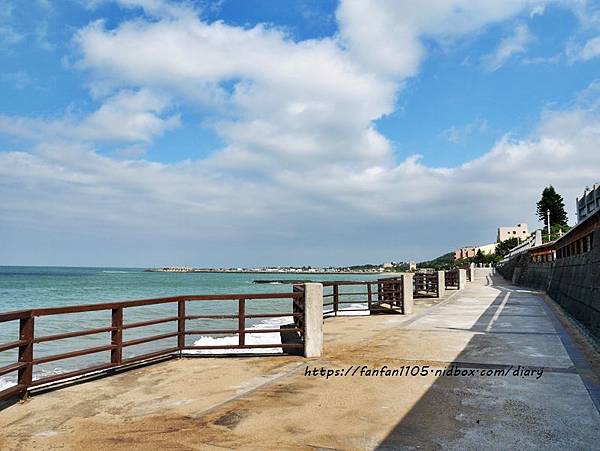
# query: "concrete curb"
[583,368]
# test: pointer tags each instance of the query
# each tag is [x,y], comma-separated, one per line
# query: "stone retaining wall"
[573,282]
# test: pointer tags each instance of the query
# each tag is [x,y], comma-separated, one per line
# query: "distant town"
[359,269]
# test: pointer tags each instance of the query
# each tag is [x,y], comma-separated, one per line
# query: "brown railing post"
[26,333]
[336,298]
[369,295]
[242,321]
[181,326]
[116,354]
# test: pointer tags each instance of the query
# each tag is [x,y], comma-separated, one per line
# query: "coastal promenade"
[523,381]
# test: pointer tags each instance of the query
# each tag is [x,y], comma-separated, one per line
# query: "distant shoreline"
[248,271]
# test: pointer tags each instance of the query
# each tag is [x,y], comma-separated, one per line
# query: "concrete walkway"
[271,403]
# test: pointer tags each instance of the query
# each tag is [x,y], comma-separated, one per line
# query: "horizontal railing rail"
[452,278]
[425,284]
[371,296]
[27,338]
[384,295]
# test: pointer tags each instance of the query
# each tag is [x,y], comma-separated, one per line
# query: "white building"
[520,231]
[588,203]
[471,251]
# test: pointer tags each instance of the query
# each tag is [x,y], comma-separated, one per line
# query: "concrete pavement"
[278,402]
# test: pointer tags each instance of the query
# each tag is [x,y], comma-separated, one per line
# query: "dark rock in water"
[281,281]
[289,337]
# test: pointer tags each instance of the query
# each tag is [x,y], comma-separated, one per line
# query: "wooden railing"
[452,278]
[373,296]
[28,339]
[425,284]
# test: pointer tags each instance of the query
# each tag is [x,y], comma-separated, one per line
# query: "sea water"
[23,288]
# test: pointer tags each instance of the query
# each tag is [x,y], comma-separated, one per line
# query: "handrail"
[426,284]
[452,278]
[27,337]
[45,311]
[382,295]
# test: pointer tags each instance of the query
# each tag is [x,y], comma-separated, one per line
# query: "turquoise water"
[28,287]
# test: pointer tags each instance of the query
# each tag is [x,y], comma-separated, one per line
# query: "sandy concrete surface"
[270,402]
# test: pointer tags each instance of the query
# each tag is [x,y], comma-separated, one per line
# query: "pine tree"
[552,201]
[479,257]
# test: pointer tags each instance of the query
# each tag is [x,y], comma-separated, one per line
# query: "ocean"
[23,288]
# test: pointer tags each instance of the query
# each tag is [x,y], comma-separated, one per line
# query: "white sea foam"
[260,338]
[351,310]
[250,339]
[10,381]
[5,382]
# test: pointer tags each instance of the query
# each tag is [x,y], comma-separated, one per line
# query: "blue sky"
[336,111]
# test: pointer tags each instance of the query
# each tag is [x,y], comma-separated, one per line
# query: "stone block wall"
[573,282]
[575,285]
[535,275]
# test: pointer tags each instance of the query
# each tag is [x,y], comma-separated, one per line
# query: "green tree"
[505,246]
[553,202]
[479,257]
[492,258]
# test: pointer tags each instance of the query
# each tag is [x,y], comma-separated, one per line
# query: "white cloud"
[512,45]
[156,8]
[590,50]
[537,11]
[215,211]
[554,59]
[9,36]
[125,117]
[289,100]
[303,175]
[280,102]
[457,135]
[386,35]
[20,79]
[589,98]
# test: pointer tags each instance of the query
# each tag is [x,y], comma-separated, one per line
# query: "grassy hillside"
[442,262]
